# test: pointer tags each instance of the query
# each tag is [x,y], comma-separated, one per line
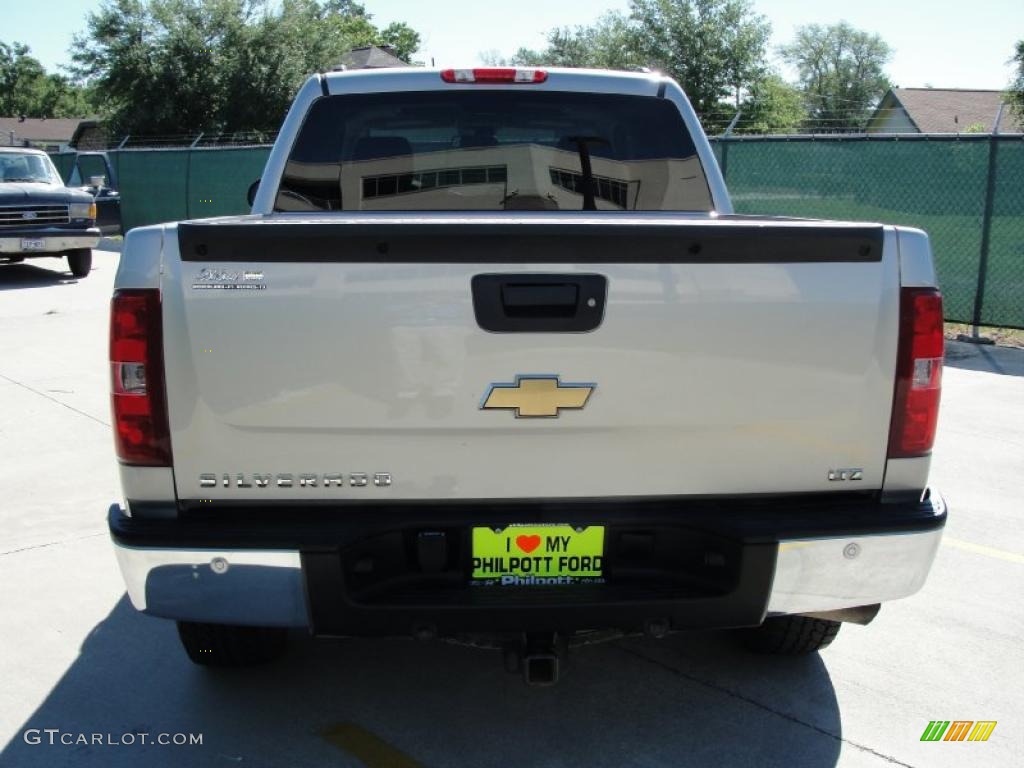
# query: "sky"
[940,43]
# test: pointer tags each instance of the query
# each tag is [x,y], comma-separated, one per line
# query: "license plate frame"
[33,244]
[540,554]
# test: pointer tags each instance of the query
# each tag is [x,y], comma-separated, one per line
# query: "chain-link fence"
[173,184]
[159,185]
[966,191]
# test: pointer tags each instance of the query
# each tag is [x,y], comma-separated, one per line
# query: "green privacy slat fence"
[159,185]
[942,185]
[154,186]
[1002,296]
[167,185]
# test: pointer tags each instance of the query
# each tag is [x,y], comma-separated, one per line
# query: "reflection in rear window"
[489,150]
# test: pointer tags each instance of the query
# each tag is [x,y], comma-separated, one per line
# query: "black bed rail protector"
[525,241]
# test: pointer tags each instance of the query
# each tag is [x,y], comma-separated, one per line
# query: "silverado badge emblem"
[537,397]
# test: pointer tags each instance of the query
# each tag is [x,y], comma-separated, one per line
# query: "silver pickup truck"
[492,359]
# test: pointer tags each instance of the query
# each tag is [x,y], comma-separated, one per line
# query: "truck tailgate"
[730,356]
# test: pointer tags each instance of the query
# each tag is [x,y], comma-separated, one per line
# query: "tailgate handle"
[539,303]
[540,299]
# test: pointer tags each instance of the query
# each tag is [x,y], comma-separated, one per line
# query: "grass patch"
[1004,337]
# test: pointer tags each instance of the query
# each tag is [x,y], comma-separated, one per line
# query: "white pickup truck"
[493,359]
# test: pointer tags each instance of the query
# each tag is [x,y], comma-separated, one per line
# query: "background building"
[943,110]
[51,134]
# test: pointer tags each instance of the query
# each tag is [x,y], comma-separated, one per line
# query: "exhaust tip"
[863,614]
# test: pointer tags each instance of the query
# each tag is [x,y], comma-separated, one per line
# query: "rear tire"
[223,645]
[790,635]
[80,262]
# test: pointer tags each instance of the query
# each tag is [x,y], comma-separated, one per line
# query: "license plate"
[536,555]
[32,244]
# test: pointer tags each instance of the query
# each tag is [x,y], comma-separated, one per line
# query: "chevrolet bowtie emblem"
[537,397]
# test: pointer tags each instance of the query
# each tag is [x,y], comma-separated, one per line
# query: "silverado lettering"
[301,480]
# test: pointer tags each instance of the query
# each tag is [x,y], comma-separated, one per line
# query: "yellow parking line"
[981,549]
[367,747]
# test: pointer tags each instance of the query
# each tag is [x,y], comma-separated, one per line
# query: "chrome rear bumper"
[251,587]
[267,587]
[815,575]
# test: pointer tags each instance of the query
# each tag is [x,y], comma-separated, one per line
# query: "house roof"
[58,129]
[93,130]
[371,57]
[952,110]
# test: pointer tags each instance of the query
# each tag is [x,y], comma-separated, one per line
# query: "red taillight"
[522,76]
[141,432]
[915,410]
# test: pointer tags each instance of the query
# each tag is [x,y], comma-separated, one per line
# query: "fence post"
[732,123]
[188,176]
[188,183]
[724,139]
[986,228]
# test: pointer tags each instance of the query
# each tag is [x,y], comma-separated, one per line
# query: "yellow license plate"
[528,555]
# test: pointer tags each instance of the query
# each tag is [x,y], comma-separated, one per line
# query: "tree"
[183,66]
[842,74]
[609,43]
[1017,86]
[716,49]
[403,39]
[275,53]
[26,89]
[772,106]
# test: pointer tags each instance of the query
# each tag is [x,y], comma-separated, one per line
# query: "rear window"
[486,150]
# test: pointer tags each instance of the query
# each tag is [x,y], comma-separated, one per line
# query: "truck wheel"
[80,261]
[791,635]
[222,645]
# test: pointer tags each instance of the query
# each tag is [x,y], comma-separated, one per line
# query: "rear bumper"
[355,571]
[54,241]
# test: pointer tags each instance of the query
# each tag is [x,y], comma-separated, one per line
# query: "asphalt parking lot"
[74,655]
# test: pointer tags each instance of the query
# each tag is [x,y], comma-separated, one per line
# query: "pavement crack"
[52,543]
[55,400]
[755,703]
